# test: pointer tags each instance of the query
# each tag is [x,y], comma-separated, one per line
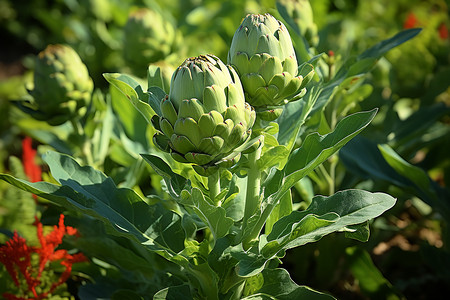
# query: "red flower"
[410,22]
[443,32]
[32,169]
[16,256]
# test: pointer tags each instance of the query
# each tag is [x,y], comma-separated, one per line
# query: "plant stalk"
[253,184]
[86,144]
[214,187]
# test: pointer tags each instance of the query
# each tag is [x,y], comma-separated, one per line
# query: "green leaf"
[274,156]
[175,183]
[418,124]
[367,160]
[314,151]
[361,156]
[360,232]
[351,207]
[214,217]
[360,65]
[316,148]
[278,284]
[133,122]
[413,173]
[371,281]
[423,183]
[325,215]
[283,208]
[132,91]
[122,211]
[384,46]
[154,77]
[174,293]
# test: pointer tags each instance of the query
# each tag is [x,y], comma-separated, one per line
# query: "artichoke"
[204,118]
[148,38]
[62,86]
[302,15]
[263,55]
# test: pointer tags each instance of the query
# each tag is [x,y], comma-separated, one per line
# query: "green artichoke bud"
[205,118]
[302,15]
[263,55]
[62,86]
[148,38]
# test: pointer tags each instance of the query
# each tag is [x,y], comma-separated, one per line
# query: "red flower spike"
[16,255]
[411,21]
[443,32]
[32,169]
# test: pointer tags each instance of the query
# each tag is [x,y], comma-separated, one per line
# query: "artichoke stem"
[253,184]
[76,127]
[86,144]
[214,187]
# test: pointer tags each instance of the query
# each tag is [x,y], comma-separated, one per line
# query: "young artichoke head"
[62,86]
[263,55]
[148,38]
[302,15]
[205,118]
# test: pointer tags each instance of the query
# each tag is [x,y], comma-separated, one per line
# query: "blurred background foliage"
[403,152]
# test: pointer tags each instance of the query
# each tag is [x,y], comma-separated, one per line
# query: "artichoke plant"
[262,53]
[148,38]
[62,86]
[204,119]
[302,15]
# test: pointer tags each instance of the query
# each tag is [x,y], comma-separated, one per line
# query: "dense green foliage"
[327,170]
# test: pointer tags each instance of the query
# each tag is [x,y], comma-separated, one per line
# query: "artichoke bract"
[263,55]
[62,86]
[148,38]
[204,118]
